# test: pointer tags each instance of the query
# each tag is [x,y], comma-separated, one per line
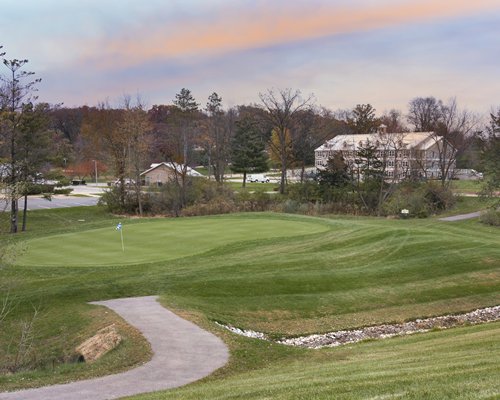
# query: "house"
[421,154]
[160,173]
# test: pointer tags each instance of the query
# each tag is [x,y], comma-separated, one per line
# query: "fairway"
[157,240]
[283,275]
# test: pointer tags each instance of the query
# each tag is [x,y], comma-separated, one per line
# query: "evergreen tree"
[17,92]
[363,120]
[490,156]
[248,149]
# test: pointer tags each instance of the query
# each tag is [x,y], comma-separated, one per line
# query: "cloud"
[236,28]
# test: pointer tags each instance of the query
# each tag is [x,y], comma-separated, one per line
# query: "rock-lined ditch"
[332,339]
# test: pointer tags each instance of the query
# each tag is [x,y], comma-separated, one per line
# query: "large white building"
[422,154]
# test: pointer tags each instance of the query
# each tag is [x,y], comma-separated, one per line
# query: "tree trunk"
[13,215]
[25,212]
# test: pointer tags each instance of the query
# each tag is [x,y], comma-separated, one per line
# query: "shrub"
[39,188]
[421,200]
[217,205]
[439,198]
[255,201]
[65,191]
[490,217]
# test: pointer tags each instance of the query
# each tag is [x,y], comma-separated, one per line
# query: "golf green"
[157,240]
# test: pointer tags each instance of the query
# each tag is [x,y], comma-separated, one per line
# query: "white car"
[258,178]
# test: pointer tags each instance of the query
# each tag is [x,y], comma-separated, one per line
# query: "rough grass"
[456,364]
[352,272]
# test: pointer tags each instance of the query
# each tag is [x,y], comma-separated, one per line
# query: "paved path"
[461,217]
[59,201]
[183,353]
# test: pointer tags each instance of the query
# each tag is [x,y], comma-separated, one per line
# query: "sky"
[344,52]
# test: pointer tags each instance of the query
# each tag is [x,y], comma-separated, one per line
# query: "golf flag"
[119,228]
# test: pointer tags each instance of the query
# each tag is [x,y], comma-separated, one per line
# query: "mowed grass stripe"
[158,240]
[458,363]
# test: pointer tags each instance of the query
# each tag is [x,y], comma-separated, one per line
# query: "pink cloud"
[236,29]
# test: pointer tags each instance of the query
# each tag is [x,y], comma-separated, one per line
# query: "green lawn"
[466,186]
[156,240]
[280,274]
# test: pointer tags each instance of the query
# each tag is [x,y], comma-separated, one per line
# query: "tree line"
[282,130]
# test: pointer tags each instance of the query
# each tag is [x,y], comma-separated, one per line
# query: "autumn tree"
[101,127]
[281,109]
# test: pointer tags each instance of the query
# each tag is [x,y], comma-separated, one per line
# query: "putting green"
[157,240]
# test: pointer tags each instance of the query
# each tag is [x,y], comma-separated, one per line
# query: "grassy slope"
[362,271]
[456,364]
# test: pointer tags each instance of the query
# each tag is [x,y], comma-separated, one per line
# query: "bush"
[304,192]
[438,197]
[490,217]
[422,200]
[65,191]
[217,205]
[33,189]
[256,201]
[201,197]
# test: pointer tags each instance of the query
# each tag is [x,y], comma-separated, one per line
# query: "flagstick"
[121,235]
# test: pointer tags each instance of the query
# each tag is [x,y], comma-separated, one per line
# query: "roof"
[420,140]
[174,166]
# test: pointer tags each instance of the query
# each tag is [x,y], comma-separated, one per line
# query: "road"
[59,201]
[82,195]
[182,353]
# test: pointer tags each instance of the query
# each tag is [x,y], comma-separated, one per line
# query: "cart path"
[461,217]
[182,353]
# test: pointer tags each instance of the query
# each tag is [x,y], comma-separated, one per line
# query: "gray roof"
[174,166]
[408,140]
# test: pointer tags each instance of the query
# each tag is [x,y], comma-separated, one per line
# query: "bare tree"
[451,129]
[282,109]
[393,121]
[455,132]
[424,113]
[219,131]
[135,126]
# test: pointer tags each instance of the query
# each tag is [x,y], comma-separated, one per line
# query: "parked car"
[126,182]
[258,178]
